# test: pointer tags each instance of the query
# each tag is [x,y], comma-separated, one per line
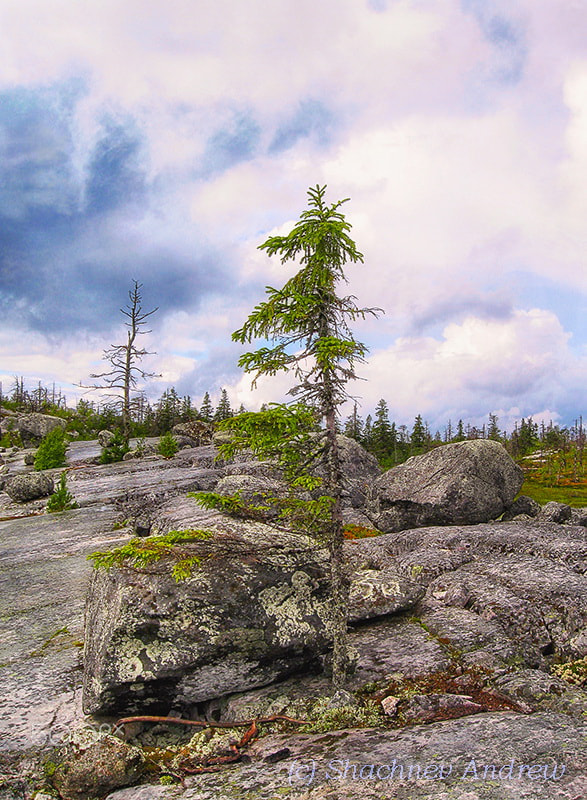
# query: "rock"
[105,438]
[483,755]
[92,765]
[578,517]
[30,486]
[434,707]
[460,483]
[253,611]
[41,627]
[554,512]
[378,592]
[544,692]
[359,469]
[34,427]
[196,431]
[522,505]
[390,705]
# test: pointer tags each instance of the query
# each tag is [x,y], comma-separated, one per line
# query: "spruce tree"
[305,328]
[353,427]
[207,410]
[223,409]
[420,437]
[382,441]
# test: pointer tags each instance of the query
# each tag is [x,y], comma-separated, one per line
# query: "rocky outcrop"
[32,486]
[196,432]
[494,756]
[253,610]
[359,469]
[499,601]
[33,427]
[460,483]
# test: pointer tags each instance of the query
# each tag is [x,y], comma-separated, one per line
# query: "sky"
[164,140]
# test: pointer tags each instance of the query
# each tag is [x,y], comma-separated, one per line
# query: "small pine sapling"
[168,445]
[115,450]
[51,452]
[61,499]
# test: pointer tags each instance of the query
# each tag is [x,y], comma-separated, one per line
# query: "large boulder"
[459,483]
[254,610]
[34,427]
[29,486]
[92,765]
[359,469]
[196,431]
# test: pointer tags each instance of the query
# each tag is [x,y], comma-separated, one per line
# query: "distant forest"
[389,442]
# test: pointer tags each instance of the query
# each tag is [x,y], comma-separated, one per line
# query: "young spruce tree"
[305,327]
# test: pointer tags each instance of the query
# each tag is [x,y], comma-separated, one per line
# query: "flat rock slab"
[493,756]
[125,482]
[44,574]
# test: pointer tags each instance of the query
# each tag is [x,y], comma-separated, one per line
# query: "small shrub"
[51,452]
[352,531]
[114,451]
[139,553]
[168,445]
[61,499]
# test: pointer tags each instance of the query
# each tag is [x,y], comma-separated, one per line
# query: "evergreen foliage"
[168,445]
[420,436]
[139,553]
[206,410]
[51,452]
[306,326]
[61,499]
[116,450]
[223,410]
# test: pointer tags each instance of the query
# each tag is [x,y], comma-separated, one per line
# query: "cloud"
[145,140]
[477,366]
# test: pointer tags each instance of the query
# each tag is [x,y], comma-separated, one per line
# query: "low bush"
[168,445]
[51,452]
[115,450]
[61,499]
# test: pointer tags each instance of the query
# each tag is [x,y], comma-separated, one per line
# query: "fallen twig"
[203,724]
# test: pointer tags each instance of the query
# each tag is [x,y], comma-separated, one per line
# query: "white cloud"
[477,366]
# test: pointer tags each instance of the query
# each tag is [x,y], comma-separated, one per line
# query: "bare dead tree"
[124,359]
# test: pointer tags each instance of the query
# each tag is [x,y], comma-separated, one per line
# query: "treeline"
[87,418]
[390,442]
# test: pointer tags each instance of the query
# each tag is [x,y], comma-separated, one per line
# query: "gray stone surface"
[459,483]
[507,597]
[32,427]
[478,754]
[554,512]
[43,579]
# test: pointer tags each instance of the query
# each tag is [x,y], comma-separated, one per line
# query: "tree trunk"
[339,586]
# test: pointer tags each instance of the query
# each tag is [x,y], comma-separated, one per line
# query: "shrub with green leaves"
[141,552]
[51,452]
[61,499]
[168,445]
[115,450]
